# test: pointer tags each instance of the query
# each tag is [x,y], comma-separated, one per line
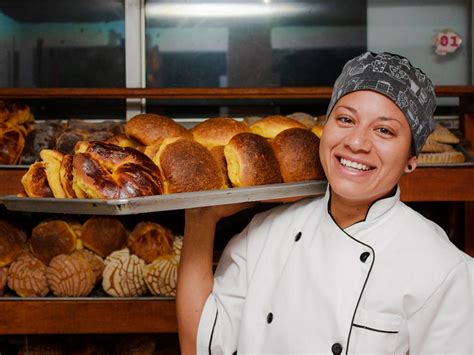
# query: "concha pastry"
[123,275]
[70,276]
[12,240]
[3,280]
[27,277]
[95,262]
[177,244]
[150,240]
[161,276]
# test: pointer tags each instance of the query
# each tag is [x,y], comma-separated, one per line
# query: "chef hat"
[395,77]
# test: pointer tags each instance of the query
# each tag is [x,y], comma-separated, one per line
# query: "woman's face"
[365,146]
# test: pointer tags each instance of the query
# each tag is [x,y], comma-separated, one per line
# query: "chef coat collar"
[377,209]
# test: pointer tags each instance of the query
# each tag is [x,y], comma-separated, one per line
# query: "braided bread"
[107,171]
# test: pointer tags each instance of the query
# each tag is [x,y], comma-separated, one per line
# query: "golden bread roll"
[12,142]
[270,126]
[107,171]
[297,152]
[95,262]
[52,160]
[70,276]
[218,155]
[185,165]
[3,279]
[149,128]
[161,276]
[318,130]
[12,241]
[27,277]
[51,238]
[35,181]
[123,275]
[217,131]
[149,240]
[251,161]
[103,235]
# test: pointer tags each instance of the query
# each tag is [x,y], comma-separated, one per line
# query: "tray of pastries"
[157,164]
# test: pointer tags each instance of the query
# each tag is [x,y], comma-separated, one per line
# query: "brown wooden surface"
[438,184]
[10,181]
[195,93]
[87,316]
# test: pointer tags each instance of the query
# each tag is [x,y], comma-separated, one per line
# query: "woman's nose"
[358,140]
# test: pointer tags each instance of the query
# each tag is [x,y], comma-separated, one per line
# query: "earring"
[409,167]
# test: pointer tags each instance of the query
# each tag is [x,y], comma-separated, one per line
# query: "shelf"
[195,93]
[87,316]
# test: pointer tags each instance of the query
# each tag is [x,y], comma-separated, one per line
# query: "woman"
[353,272]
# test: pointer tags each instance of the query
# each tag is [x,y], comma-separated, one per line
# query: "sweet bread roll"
[122,141]
[35,181]
[149,128]
[103,235]
[150,240]
[20,114]
[123,275]
[217,131]
[67,140]
[161,276]
[251,161]
[52,160]
[305,118]
[318,130]
[66,177]
[70,276]
[107,171]
[95,262]
[12,241]
[218,155]
[3,279]
[51,238]
[12,142]
[297,152]
[43,136]
[185,165]
[270,126]
[27,277]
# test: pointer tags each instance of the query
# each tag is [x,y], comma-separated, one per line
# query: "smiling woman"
[355,271]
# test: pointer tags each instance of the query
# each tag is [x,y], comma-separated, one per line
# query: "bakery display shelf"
[469,160]
[169,202]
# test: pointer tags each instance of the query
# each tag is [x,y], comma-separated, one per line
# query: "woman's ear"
[411,165]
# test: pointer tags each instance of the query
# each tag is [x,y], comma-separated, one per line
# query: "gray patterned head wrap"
[395,77]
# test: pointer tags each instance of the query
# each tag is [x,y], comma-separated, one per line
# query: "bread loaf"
[35,182]
[149,128]
[123,275]
[27,277]
[12,240]
[186,165]
[297,152]
[251,161]
[149,240]
[217,131]
[270,126]
[103,235]
[161,276]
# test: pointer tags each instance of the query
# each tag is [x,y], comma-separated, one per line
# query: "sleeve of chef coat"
[220,321]
[445,323]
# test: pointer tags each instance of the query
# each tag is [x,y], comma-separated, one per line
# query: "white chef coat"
[294,282]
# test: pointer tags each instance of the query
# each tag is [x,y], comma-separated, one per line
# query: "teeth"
[353,164]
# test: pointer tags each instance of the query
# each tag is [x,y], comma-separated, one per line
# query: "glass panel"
[251,43]
[64,43]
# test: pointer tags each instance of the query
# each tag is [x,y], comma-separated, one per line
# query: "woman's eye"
[385,131]
[344,119]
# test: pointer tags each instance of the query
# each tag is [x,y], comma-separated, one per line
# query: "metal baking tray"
[169,202]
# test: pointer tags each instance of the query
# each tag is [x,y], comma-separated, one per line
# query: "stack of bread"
[16,121]
[439,149]
[159,156]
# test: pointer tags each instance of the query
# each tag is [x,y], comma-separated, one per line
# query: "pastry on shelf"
[53,159]
[35,182]
[251,161]
[12,242]
[297,152]
[3,279]
[95,262]
[27,276]
[107,171]
[217,153]
[103,235]
[51,238]
[270,126]
[161,276]
[149,240]
[305,118]
[122,141]
[438,148]
[442,134]
[185,166]
[149,128]
[217,131]
[177,244]
[70,276]
[318,129]
[12,142]
[123,275]
[43,136]
[66,177]
[448,157]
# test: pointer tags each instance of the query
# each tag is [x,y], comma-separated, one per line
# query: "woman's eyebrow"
[353,110]
[385,118]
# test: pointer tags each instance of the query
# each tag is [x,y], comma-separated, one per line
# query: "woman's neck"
[347,212]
